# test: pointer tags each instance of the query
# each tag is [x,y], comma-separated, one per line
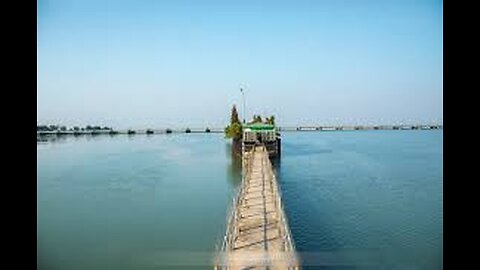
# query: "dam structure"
[257,234]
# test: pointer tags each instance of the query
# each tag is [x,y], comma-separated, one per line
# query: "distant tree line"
[75,128]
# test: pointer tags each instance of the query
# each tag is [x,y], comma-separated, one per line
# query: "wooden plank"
[259,228]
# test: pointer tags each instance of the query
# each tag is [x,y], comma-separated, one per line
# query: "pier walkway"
[258,236]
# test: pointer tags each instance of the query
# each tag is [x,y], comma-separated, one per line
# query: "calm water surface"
[355,200]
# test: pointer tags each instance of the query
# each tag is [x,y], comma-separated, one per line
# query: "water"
[374,192]
[161,201]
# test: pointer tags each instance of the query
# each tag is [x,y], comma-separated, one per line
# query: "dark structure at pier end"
[254,133]
[261,134]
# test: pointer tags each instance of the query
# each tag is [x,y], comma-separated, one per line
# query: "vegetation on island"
[270,120]
[258,119]
[235,129]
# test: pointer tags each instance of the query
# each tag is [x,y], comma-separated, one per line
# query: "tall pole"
[243,97]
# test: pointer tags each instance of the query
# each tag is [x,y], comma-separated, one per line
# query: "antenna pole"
[243,97]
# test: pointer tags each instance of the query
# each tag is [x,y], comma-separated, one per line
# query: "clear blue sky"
[137,64]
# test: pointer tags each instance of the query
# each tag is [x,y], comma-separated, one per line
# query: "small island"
[256,132]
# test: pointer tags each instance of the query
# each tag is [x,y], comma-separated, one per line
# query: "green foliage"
[234,131]
[234,117]
[270,120]
[256,119]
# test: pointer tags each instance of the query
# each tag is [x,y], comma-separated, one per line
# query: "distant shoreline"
[218,130]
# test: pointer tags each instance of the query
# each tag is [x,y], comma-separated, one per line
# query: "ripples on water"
[378,191]
[143,202]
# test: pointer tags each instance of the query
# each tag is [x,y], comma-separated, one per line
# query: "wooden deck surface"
[259,237]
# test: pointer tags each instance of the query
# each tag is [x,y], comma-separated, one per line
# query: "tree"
[256,119]
[234,130]
[270,120]
[234,117]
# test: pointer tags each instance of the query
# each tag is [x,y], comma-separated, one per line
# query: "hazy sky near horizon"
[136,64]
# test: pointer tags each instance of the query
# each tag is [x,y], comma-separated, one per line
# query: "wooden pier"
[257,235]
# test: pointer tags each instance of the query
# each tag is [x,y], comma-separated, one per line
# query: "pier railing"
[231,230]
[289,244]
[233,217]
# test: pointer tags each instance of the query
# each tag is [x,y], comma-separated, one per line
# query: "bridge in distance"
[221,130]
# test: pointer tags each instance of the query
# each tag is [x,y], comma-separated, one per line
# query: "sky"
[154,64]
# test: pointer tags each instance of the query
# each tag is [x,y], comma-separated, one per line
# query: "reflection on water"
[234,166]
